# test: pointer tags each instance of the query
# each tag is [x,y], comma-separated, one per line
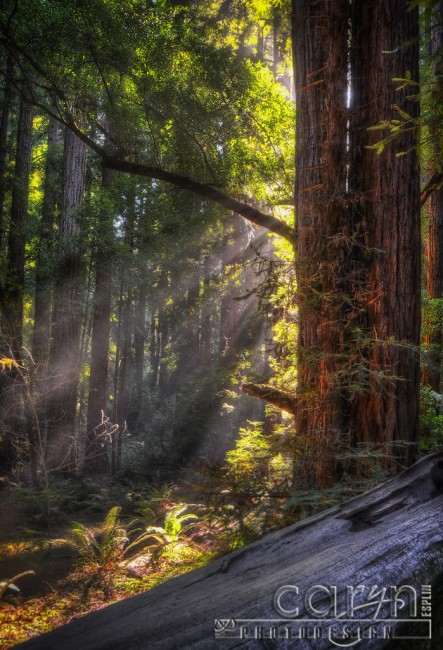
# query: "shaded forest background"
[203,203]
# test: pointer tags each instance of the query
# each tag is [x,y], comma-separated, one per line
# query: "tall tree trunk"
[4,121]
[162,341]
[17,235]
[139,351]
[358,235]
[154,349]
[435,205]
[385,190]
[205,317]
[44,270]
[96,458]
[233,321]
[123,344]
[122,397]
[320,58]
[67,313]
[42,302]
[11,381]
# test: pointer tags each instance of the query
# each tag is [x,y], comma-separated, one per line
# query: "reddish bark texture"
[386,192]
[358,234]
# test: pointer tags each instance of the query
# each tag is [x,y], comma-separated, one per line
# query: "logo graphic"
[344,617]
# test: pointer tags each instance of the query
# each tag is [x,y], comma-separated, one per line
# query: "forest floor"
[69,580]
[87,542]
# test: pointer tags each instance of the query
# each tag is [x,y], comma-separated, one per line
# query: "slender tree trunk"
[139,351]
[162,341]
[17,235]
[154,349]
[42,303]
[123,351]
[4,121]
[233,324]
[45,271]
[122,404]
[96,458]
[67,314]
[188,341]
[205,317]
[116,379]
[11,379]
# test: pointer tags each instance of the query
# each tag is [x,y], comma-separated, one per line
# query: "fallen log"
[370,566]
[275,396]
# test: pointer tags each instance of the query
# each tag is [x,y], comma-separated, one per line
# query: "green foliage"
[248,461]
[431,420]
[104,548]
[247,496]
[199,107]
[171,542]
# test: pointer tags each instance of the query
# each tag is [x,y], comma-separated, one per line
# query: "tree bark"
[320,44]
[4,121]
[45,271]
[205,316]
[67,314]
[11,379]
[386,538]
[13,312]
[38,379]
[359,235]
[385,192]
[435,206]
[96,456]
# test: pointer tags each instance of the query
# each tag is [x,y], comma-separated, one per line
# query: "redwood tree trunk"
[4,121]
[386,192]
[17,235]
[96,457]
[358,235]
[67,314]
[38,386]
[320,57]
[44,271]
[11,379]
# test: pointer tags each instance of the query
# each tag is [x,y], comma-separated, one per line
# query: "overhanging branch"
[275,396]
[207,191]
[244,209]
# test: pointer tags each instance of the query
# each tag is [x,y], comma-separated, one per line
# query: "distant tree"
[13,288]
[67,312]
[96,454]
[4,122]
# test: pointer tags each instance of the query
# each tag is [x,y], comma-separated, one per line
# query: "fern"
[104,548]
